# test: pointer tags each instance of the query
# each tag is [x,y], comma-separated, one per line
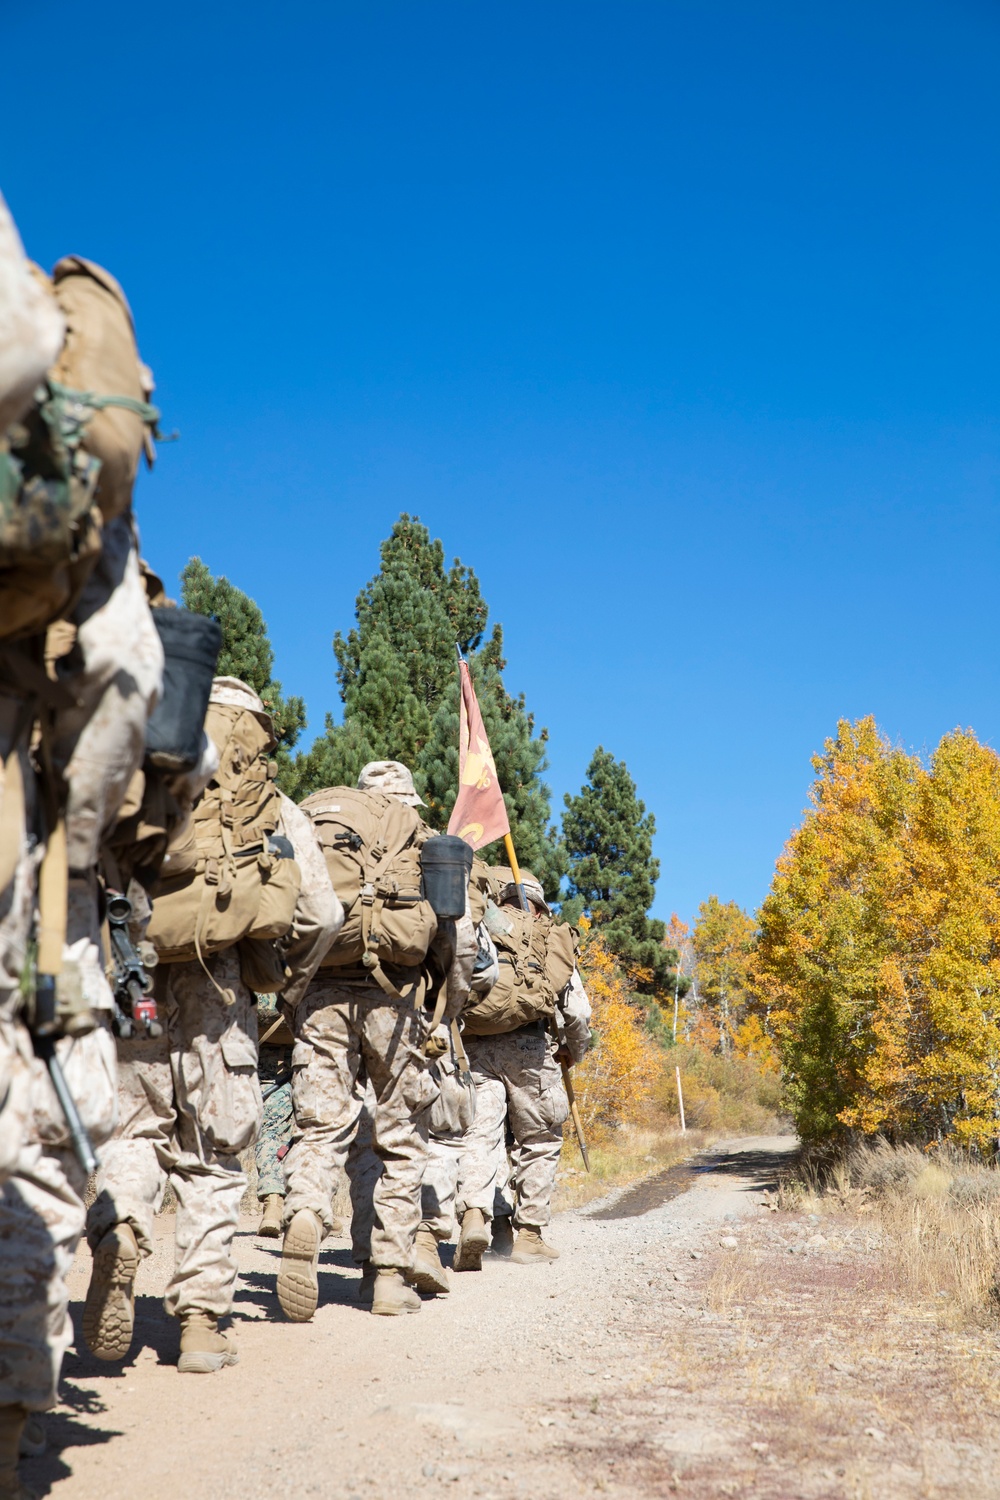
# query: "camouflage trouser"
[190,1102]
[19,859]
[440,1186]
[276,1129]
[515,1074]
[41,1220]
[341,1027]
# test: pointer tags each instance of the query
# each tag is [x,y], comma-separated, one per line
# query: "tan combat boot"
[109,1311]
[298,1279]
[502,1236]
[203,1348]
[392,1295]
[12,1419]
[472,1241]
[530,1249]
[269,1227]
[427,1273]
[366,1286]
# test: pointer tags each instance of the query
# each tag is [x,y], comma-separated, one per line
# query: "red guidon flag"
[479,815]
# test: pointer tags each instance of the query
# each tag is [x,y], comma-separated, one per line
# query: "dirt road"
[676,1347]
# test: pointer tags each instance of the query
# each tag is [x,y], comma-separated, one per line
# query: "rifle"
[134,1003]
[45,1025]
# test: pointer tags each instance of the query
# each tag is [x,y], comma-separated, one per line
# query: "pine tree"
[246,653]
[397,671]
[608,836]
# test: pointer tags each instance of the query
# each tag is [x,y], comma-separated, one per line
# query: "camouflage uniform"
[114,672]
[191,1099]
[517,1075]
[340,1026]
[42,1218]
[190,1102]
[17,900]
[275,1135]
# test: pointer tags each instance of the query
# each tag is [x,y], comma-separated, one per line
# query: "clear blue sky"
[677,321]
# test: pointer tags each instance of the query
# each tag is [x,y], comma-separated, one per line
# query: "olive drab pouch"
[99,365]
[537,956]
[371,844]
[230,880]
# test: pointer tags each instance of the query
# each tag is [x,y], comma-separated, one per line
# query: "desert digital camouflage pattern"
[190,1101]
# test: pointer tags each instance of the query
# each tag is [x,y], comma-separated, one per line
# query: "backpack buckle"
[368,895]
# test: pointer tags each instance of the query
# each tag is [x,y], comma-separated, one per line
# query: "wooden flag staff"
[480,817]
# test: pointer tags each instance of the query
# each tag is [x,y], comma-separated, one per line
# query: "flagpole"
[515,870]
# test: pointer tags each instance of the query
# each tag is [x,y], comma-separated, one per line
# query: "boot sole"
[269,1232]
[429,1280]
[470,1252]
[298,1279]
[206,1364]
[109,1311]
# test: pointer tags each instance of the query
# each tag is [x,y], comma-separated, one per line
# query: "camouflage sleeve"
[574,1018]
[31,326]
[319,915]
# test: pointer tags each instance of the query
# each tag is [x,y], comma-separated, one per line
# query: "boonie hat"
[235,694]
[532,889]
[392,779]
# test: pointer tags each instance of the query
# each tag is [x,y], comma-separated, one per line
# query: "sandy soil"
[701,1346]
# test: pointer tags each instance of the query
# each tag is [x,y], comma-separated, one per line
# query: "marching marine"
[244,904]
[398,969]
[517,1037]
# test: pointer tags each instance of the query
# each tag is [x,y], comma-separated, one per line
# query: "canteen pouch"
[445,867]
[191,645]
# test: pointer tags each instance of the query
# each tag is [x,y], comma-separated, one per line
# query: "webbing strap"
[142,409]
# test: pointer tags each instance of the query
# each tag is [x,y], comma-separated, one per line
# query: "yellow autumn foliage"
[616,1079]
[878,956]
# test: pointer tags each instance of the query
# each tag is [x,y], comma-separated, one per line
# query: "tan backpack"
[70,463]
[99,365]
[221,881]
[371,844]
[537,958]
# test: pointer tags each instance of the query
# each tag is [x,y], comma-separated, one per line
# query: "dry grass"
[936,1219]
[621,1157]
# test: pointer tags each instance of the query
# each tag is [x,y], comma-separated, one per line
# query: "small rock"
[429,1471]
[729,1242]
[875,1434]
[759,1447]
[695,1254]
[546,1421]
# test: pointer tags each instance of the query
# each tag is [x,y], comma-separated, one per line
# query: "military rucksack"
[225,879]
[99,365]
[371,844]
[71,462]
[537,958]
